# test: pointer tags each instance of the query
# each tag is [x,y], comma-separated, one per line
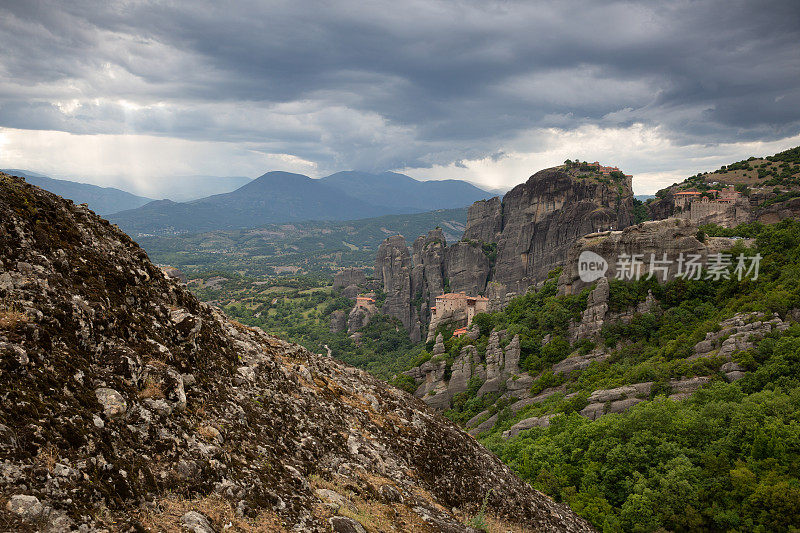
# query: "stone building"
[456,308]
[454,302]
[726,206]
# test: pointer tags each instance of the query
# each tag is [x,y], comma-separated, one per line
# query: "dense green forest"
[727,458]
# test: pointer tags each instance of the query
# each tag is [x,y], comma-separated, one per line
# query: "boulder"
[196,523]
[114,405]
[25,506]
[342,524]
[528,423]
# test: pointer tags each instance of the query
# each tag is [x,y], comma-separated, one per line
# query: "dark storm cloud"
[393,84]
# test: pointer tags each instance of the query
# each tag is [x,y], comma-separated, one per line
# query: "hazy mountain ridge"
[403,192]
[103,200]
[282,197]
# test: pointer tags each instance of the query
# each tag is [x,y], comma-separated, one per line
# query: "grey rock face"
[342,524]
[25,506]
[498,295]
[467,268]
[338,321]
[393,270]
[462,370]
[351,291]
[484,220]
[429,255]
[359,317]
[543,217]
[347,277]
[671,237]
[113,403]
[196,523]
[593,317]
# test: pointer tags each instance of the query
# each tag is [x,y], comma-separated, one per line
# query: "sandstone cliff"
[672,237]
[128,405]
[393,268]
[467,267]
[544,216]
[507,246]
[484,220]
[347,277]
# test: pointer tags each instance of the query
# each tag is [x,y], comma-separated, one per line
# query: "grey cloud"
[390,85]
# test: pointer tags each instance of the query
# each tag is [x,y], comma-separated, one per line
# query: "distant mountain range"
[188,188]
[404,193]
[280,197]
[102,200]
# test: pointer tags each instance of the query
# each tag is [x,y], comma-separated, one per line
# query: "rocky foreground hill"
[129,405]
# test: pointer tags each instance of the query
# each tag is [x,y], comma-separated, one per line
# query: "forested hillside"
[726,457]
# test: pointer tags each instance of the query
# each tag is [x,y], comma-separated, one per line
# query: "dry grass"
[207,432]
[11,319]
[169,510]
[47,457]
[11,314]
[151,390]
[374,516]
[157,363]
[495,525]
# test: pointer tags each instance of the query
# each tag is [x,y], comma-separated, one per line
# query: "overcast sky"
[127,93]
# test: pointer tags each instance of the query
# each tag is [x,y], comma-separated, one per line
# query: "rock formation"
[467,268]
[427,277]
[360,316]
[774,213]
[499,371]
[348,276]
[428,259]
[594,316]
[671,237]
[507,245]
[543,217]
[173,272]
[338,321]
[127,404]
[393,270]
[484,220]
